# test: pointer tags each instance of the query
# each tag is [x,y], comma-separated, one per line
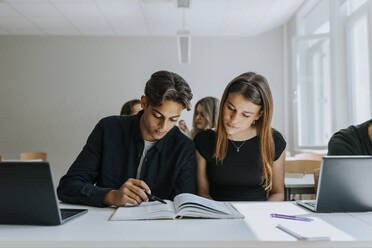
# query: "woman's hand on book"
[132,191]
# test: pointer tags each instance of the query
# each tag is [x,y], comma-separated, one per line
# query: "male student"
[354,140]
[126,156]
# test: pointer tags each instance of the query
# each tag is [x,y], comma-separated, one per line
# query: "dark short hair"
[168,86]
[128,106]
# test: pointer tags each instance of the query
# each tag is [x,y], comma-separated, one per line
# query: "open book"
[183,205]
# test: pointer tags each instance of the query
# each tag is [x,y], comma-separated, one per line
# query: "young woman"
[205,116]
[244,159]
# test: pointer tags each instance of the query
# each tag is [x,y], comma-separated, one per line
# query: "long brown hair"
[255,89]
[210,107]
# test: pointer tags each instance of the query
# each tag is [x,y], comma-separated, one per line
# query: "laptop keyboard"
[66,213]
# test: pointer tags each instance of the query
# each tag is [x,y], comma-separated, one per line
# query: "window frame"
[339,69]
[296,114]
[362,11]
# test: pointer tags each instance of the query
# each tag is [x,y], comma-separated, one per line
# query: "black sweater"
[112,154]
[353,140]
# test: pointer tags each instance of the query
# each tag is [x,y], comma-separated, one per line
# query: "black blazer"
[112,154]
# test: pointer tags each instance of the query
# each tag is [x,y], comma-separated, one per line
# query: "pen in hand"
[155,198]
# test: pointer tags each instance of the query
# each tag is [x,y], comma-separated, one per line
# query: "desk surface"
[257,229]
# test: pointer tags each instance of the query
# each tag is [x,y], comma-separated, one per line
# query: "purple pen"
[291,217]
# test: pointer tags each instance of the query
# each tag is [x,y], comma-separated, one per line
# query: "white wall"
[53,90]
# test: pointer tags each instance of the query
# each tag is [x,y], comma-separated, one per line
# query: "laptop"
[28,196]
[344,185]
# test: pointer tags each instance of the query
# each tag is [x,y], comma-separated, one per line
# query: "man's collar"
[137,128]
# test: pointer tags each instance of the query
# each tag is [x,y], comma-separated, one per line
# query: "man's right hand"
[132,191]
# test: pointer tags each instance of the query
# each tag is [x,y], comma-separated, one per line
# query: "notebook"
[184,205]
[316,230]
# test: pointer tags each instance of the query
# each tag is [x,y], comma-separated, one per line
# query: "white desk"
[256,230]
[298,185]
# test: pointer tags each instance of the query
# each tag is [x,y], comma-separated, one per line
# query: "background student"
[354,140]
[126,156]
[205,116]
[244,159]
[131,107]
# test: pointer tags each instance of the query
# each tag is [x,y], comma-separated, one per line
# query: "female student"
[244,159]
[205,116]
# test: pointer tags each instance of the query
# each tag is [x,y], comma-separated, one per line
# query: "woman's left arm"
[277,192]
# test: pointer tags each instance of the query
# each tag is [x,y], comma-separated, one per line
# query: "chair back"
[33,155]
[301,166]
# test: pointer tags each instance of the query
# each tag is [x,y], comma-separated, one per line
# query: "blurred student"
[131,107]
[205,116]
[354,140]
[244,159]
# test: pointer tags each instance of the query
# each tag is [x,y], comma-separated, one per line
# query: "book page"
[195,206]
[146,211]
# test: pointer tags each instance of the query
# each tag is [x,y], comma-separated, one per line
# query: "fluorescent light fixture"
[184,46]
[183,3]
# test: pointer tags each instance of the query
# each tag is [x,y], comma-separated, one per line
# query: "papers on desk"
[301,237]
[264,226]
[184,205]
[313,231]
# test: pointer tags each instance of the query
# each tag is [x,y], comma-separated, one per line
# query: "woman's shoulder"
[205,135]
[205,143]
[279,142]
[277,136]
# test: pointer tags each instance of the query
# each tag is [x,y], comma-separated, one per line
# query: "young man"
[126,157]
[354,140]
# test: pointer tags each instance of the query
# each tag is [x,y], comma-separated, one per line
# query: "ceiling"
[143,17]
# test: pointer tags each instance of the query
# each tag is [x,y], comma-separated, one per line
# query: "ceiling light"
[184,46]
[183,3]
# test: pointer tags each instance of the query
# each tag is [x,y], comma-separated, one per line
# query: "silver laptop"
[28,196]
[345,184]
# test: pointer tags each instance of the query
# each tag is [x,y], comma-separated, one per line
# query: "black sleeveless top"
[238,178]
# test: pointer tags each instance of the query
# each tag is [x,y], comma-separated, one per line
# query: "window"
[331,69]
[316,20]
[353,5]
[357,37]
[313,91]
[312,77]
